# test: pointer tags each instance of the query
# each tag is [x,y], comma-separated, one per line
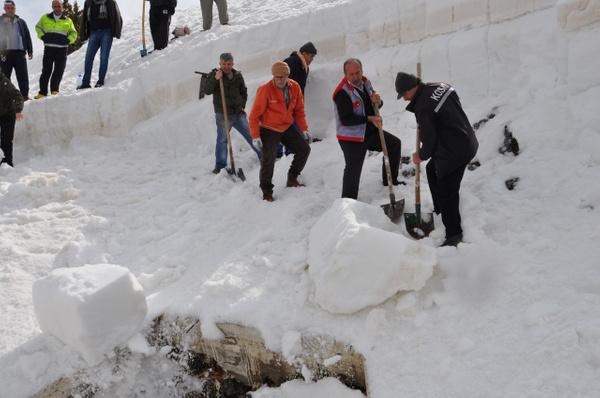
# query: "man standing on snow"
[236,95]
[160,20]
[57,32]
[15,43]
[11,106]
[207,13]
[356,126]
[447,138]
[277,104]
[100,22]
[298,61]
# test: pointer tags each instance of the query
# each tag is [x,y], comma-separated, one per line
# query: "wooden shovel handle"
[226,123]
[417,166]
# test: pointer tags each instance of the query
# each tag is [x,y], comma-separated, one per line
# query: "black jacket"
[11,100]
[297,71]
[445,132]
[236,92]
[170,3]
[114,16]
[24,31]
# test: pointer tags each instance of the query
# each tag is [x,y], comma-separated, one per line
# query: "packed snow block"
[468,57]
[439,17]
[412,23]
[573,14]
[470,13]
[355,261]
[501,10]
[91,308]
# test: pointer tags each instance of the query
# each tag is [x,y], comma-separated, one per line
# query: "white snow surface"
[122,175]
[91,308]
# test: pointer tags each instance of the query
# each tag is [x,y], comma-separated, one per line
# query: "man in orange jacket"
[277,104]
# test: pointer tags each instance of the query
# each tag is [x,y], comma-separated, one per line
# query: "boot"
[292,181]
[268,196]
[454,240]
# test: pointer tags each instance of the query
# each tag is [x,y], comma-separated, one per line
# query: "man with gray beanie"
[278,103]
[447,138]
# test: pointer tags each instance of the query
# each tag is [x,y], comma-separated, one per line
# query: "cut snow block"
[355,261]
[91,308]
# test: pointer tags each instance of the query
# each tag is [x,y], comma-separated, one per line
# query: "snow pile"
[91,308]
[356,261]
[326,388]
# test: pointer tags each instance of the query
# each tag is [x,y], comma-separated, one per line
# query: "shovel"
[394,209]
[143,51]
[240,173]
[418,225]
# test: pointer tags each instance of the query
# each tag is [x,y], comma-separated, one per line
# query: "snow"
[92,308]
[122,176]
[347,281]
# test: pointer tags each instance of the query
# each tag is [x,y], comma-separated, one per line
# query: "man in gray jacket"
[15,45]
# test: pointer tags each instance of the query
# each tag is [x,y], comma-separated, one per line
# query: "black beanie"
[309,48]
[405,82]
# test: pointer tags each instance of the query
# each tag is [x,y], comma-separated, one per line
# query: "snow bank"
[326,388]
[574,14]
[91,308]
[356,262]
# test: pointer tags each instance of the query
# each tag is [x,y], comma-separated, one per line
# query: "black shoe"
[84,86]
[216,171]
[394,182]
[98,85]
[453,240]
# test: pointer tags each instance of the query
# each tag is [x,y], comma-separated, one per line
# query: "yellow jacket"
[56,33]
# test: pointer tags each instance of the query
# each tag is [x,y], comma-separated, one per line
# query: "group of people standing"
[278,116]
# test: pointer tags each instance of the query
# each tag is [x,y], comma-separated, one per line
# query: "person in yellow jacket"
[57,31]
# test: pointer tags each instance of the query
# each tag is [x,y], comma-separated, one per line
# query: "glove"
[257,142]
[307,136]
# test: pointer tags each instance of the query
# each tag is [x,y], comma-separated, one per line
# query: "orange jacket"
[269,110]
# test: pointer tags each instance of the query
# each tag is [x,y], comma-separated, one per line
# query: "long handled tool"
[418,225]
[394,209]
[240,173]
[143,51]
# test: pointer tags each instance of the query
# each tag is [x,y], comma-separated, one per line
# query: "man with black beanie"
[447,138]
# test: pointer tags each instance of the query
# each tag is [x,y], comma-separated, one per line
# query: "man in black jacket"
[447,138]
[160,20]
[11,106]
[100,22]
[15,44]
[299,61]
[236,95]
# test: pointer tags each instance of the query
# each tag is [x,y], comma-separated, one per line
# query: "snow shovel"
[394,209]
[203,78]
[143,51]
[240,173]
[418,225]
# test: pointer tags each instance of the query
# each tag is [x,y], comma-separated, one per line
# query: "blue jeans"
[240,123]
[99,39]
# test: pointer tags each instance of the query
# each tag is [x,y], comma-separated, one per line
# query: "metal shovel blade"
[239,174]
[419,225]
[394,210]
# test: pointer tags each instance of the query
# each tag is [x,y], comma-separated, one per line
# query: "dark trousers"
[53,67]
[160,20]
[17,60]
[7,133]
[445,195]
[354,156]
[292,139]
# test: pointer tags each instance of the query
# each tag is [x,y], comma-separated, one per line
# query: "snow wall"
[406,32]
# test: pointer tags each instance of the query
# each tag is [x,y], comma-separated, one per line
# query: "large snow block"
[91,308]
[355,261]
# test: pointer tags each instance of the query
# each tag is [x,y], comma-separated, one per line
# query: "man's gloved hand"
[307,136]
[171,10]
[257,142]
